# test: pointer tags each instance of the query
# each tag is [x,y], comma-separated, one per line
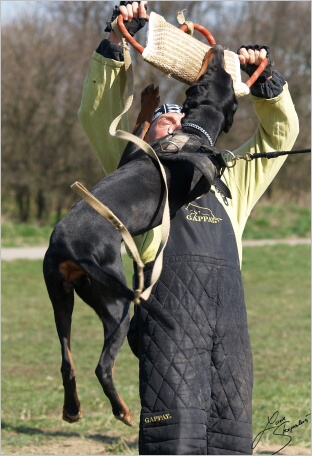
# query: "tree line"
[46,55]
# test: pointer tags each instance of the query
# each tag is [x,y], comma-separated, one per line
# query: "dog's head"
[214,89]
[222,84]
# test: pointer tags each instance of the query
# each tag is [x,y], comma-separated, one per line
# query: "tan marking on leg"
[70,270]
[126,417]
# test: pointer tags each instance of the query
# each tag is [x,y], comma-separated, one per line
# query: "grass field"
[277,286]
[265,222]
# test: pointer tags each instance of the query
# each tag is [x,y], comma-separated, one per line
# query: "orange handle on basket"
[257,73]
[127,35]
[140,48]
[197,27]
[203,31]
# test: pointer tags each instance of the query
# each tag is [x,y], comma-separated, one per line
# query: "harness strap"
[171,148]
[150,151]
[118,225]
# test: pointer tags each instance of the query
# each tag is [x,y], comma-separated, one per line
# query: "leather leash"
[231,159]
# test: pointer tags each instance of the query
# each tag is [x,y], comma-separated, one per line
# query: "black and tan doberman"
[84,251]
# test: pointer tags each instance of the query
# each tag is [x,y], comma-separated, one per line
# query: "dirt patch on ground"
[78,446]
[272,449]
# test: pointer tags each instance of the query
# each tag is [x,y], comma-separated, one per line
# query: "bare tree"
[42,142]
[45,58]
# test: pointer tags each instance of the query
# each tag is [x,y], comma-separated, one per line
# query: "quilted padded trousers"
[195,361]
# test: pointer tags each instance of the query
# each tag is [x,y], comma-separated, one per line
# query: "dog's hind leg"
[62,297]
[116,320]
[113,312]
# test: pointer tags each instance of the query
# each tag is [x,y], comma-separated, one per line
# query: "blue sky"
[10,9]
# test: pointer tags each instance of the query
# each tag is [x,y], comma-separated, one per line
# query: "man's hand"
[134,14]
[250,58]
[252,55]
[132,10]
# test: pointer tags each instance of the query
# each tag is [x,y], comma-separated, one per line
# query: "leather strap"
[107,213]
[149,150]
[118,225]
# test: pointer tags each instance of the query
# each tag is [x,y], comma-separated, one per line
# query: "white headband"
[163,109]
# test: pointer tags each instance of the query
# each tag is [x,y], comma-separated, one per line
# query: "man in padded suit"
[191,336]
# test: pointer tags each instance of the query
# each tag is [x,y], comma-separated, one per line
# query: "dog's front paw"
[150,100]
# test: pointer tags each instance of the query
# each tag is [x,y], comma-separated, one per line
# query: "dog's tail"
[106,279]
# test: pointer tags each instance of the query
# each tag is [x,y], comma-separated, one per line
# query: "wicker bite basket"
[179,55]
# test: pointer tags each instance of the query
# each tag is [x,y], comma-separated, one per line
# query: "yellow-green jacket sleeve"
[277,130]
[102,101]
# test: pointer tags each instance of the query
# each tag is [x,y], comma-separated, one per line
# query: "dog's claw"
[71,418]
[126,419]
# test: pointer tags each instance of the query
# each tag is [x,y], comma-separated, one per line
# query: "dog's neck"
[204,120]
[199,129]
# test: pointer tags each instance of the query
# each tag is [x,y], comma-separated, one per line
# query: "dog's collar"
[197,127]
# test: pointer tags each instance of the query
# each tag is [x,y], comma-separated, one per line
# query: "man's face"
[164,125]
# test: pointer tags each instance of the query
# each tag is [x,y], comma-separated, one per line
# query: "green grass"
[277,287]
[278,222]
[265,222]
[32,391]
[277,292]
[24,234]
